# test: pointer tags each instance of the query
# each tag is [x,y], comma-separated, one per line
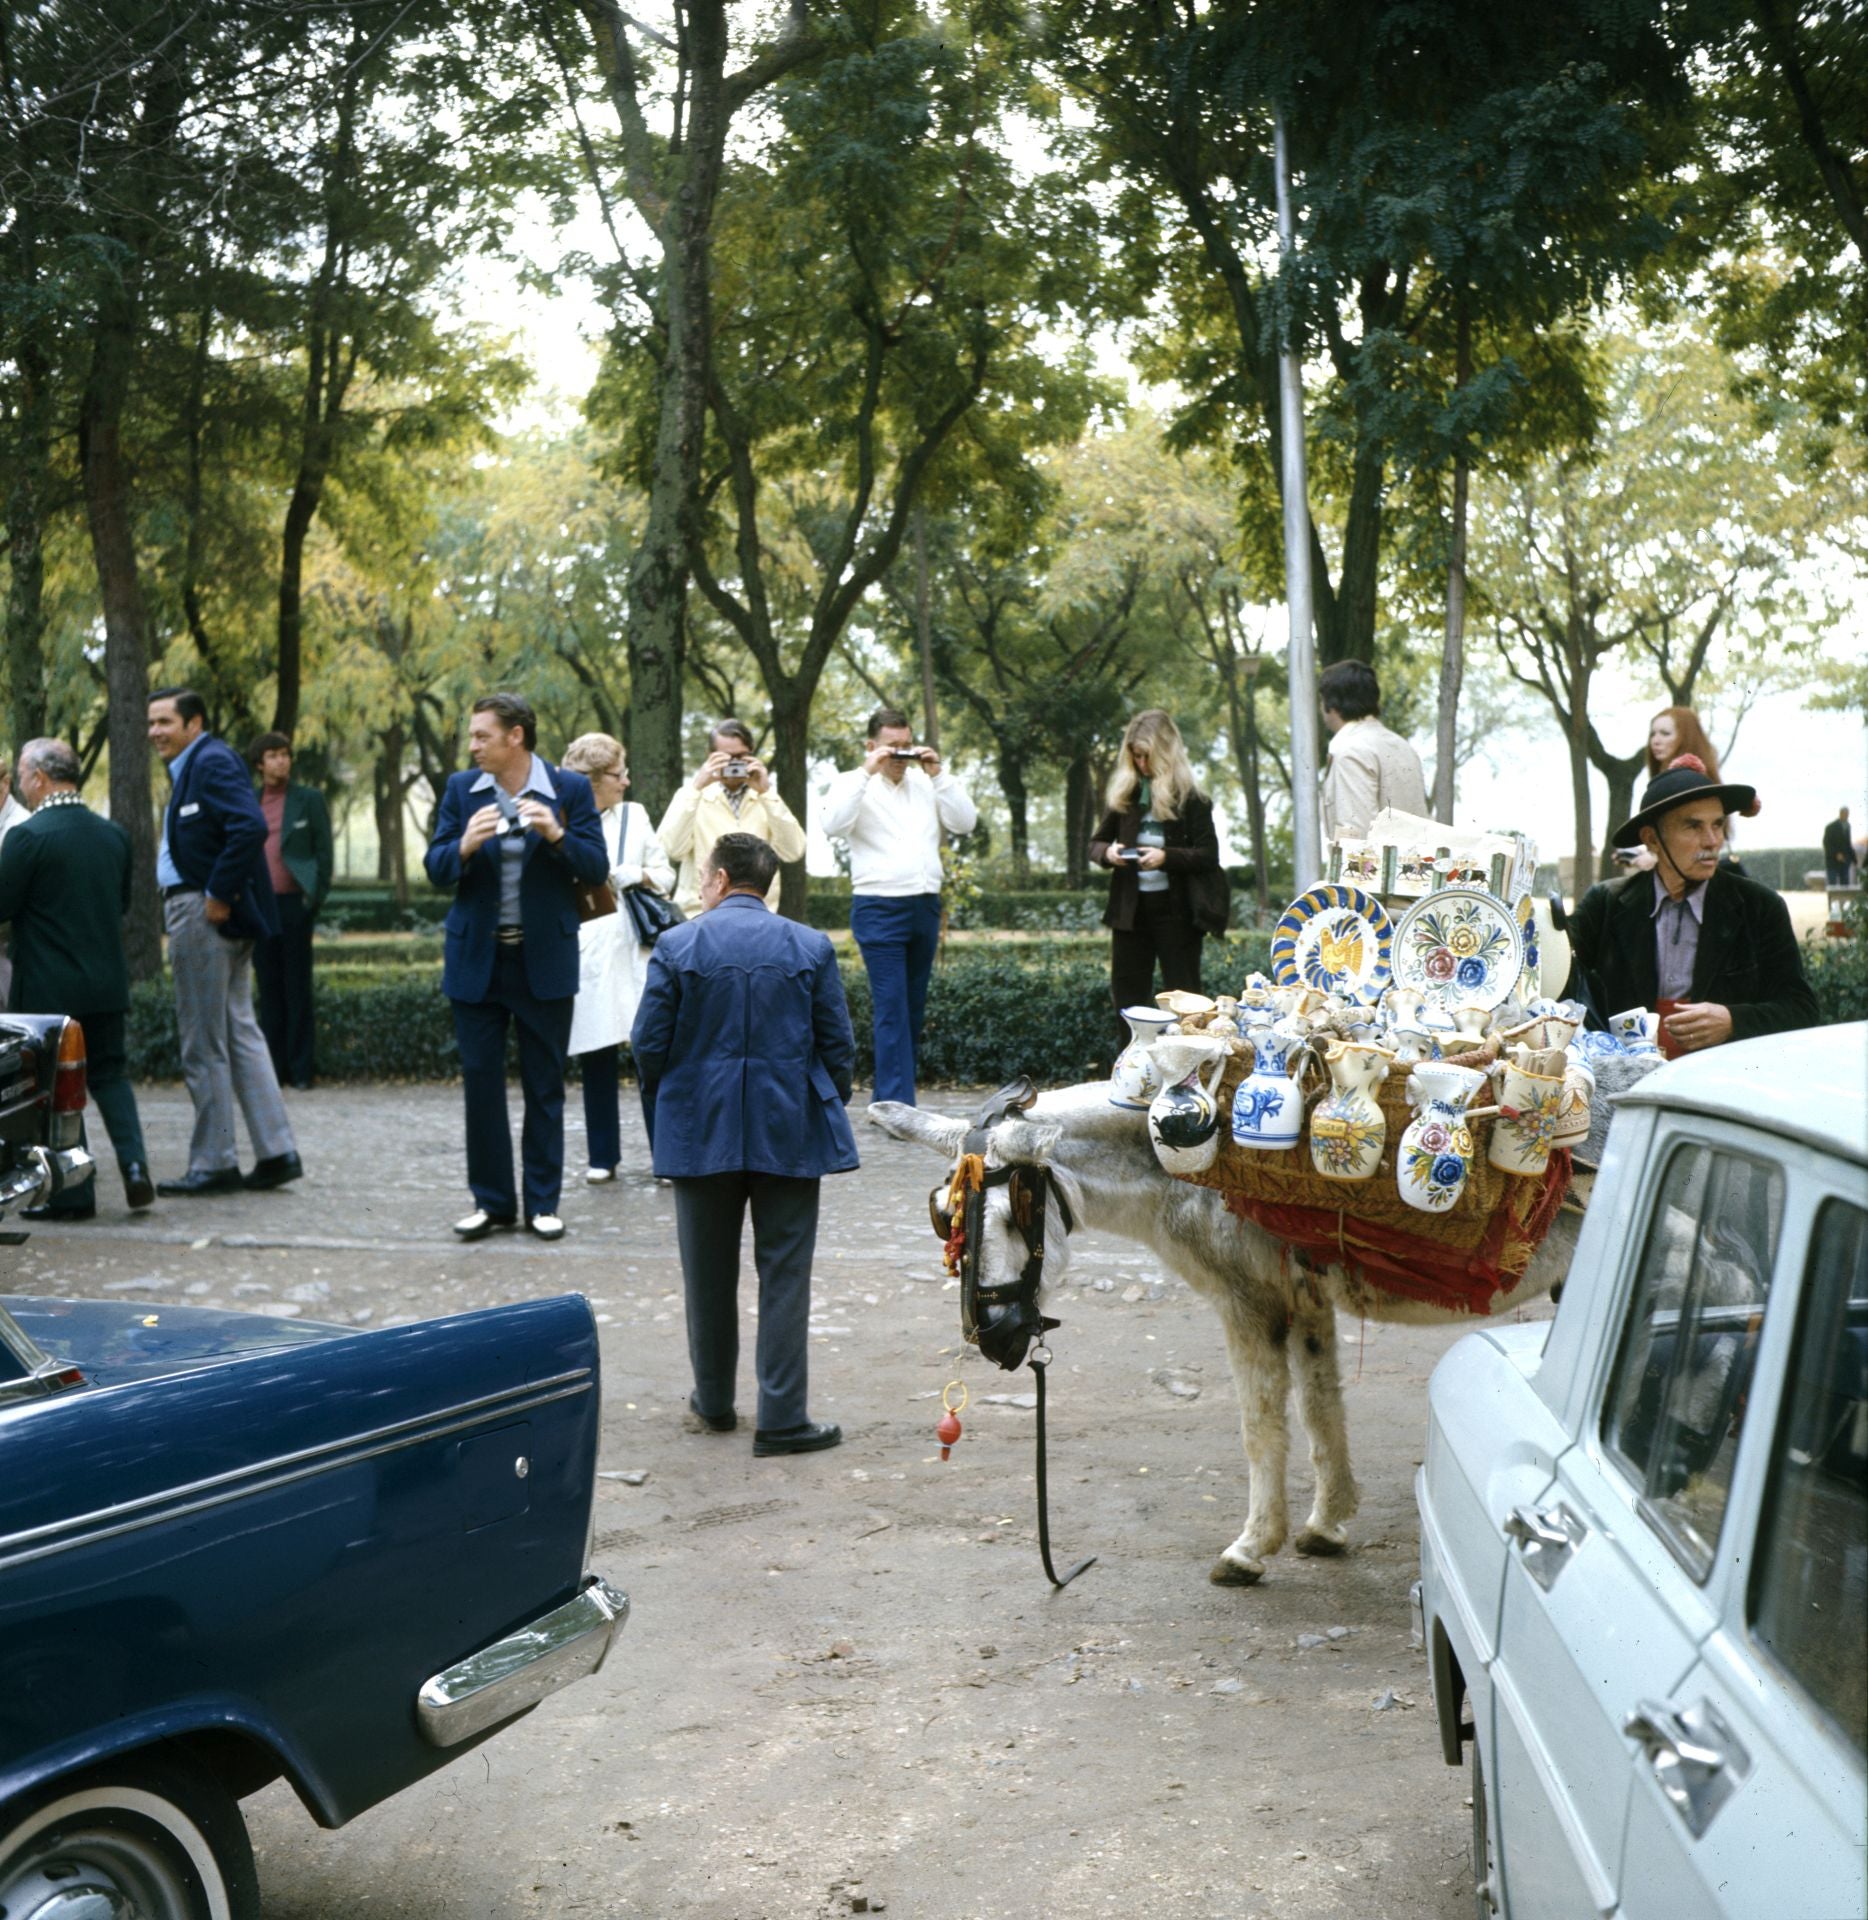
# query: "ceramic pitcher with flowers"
[1183,1118]
[1435,1155]
[1268,1108]
[1135,1079]
[1347,1127]
[1530,1110]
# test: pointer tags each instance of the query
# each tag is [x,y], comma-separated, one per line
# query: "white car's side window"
[1677,1398]
[1809,1588]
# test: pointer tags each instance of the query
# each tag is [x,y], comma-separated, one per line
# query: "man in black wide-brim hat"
[1691,931]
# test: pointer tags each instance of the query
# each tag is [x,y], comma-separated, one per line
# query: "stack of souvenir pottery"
[1394,1071]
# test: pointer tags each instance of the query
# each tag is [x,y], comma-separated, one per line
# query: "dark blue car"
[233,1548]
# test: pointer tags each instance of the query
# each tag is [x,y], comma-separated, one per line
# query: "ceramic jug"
[1257,991]
[1135,1079]
[1190,1008]
[1268,1108]
[1183,1118]
[1225,1022]
[1471,1020]
[1637,1029]
[1579,1086]
[1403,1005]
[1411,1044]
[1530,1108]
[1347,1127]
[1435,1155]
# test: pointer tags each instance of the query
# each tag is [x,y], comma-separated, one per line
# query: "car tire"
[165,1840]
[1487,1897]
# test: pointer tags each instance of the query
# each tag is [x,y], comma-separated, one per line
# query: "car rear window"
[1809,1582]
[1677,1399]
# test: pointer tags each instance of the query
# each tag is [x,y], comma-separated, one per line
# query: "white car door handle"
[1696,1758]
[1546,1538]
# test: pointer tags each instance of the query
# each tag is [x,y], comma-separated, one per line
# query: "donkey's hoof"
[1322,1542]
[1228,1572]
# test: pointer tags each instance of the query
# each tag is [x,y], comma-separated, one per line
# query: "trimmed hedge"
[991,1015]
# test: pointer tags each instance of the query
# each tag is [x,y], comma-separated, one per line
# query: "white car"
[1644,1524]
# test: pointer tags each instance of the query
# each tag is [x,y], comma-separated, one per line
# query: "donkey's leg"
[1320,1406]
[1256,1338]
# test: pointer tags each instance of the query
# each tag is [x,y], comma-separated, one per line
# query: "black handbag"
[650,914]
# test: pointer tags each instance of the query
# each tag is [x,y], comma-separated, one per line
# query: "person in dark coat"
[1839,851]
[300,859]
[1166,889]
[216,902]
[65,886]
[1691,931]
[513,840]
[743,1045]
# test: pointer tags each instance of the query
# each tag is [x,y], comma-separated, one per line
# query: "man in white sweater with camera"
[892,810]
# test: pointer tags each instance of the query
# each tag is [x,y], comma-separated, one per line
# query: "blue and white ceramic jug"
[1268,1108]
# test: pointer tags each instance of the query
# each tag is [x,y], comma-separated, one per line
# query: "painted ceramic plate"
[1530,981]
[1337,939]
[1459,947]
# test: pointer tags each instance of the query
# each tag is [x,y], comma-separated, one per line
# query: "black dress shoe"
[88,1211]
[812,1437]
[222,1180]
[274,1172]
[138,1189]
[713,1422]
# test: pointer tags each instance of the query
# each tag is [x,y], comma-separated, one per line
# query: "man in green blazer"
[300,858]
[65,886]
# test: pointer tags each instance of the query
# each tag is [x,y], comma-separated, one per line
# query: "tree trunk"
[392,850]
[1622,775]
[1453,659]
[126,618]
[790,764]
[1017,791]
[25,534]
[1079,803]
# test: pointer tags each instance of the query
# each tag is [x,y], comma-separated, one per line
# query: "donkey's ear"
[915,1123]
[1025,1143]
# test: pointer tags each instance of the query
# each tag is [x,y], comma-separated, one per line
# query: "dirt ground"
[846,1686]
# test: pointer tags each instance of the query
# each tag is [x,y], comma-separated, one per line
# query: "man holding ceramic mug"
[1711,951]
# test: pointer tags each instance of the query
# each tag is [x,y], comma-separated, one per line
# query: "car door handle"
[1697,1760]
[1546,1538]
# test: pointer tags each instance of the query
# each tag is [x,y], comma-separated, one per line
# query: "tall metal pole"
[1306,833]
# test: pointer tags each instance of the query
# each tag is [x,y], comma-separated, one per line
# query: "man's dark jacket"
[65,886]
[1748,960]
[742,1042]
[1836,844]
[1196,887]
[305,843]
[217,837]
[547,890]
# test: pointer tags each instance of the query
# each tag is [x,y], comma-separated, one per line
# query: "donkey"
[1105,1174]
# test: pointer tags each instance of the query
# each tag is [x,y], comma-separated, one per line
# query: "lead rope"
[1040,1359]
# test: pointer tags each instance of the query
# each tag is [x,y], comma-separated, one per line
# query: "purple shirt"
[1676,939]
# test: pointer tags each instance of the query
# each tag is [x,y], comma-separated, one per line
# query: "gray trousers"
[710,1216]
[224,1055]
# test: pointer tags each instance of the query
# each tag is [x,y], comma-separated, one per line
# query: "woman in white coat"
[612,964]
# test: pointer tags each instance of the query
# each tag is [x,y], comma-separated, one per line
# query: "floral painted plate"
[1530,981]
[1459,947]
[1337,939]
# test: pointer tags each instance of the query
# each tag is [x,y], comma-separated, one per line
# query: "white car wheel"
[141,1838]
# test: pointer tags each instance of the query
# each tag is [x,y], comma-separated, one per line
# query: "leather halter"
[1002,1321]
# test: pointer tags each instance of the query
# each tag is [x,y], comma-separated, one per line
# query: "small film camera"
[904,753]
[1130,856]
[734,770]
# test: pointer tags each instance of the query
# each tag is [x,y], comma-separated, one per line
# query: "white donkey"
[1274,1313]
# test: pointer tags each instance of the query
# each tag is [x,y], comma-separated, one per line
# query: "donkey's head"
[1016,1223]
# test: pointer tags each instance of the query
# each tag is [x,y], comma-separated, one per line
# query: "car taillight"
[68,1085]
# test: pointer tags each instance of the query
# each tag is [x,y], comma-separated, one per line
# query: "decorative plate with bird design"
[1337,939]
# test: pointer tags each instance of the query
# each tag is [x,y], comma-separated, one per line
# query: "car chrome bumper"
[522,1667]
[44,1172]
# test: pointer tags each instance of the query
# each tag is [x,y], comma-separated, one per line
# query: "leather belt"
[511,936]
[169,893]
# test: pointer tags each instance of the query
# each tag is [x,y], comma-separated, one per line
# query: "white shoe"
[546,1225]
[478,1224]
[598,1175]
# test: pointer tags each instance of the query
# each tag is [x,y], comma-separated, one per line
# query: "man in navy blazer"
[513,839]
[216,901]
[742,1042]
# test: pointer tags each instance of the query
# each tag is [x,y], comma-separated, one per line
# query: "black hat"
[1684,779]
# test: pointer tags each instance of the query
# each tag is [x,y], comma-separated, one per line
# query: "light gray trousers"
[224,1054]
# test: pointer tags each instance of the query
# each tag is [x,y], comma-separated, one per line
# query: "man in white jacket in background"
[893,810]
[731,792]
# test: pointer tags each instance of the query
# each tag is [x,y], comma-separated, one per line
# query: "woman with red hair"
[1674,731]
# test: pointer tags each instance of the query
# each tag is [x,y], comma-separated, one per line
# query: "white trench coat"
[612,967]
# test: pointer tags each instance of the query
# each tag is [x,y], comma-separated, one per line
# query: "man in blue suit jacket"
[743,1045]
[216,901]
[513,840]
